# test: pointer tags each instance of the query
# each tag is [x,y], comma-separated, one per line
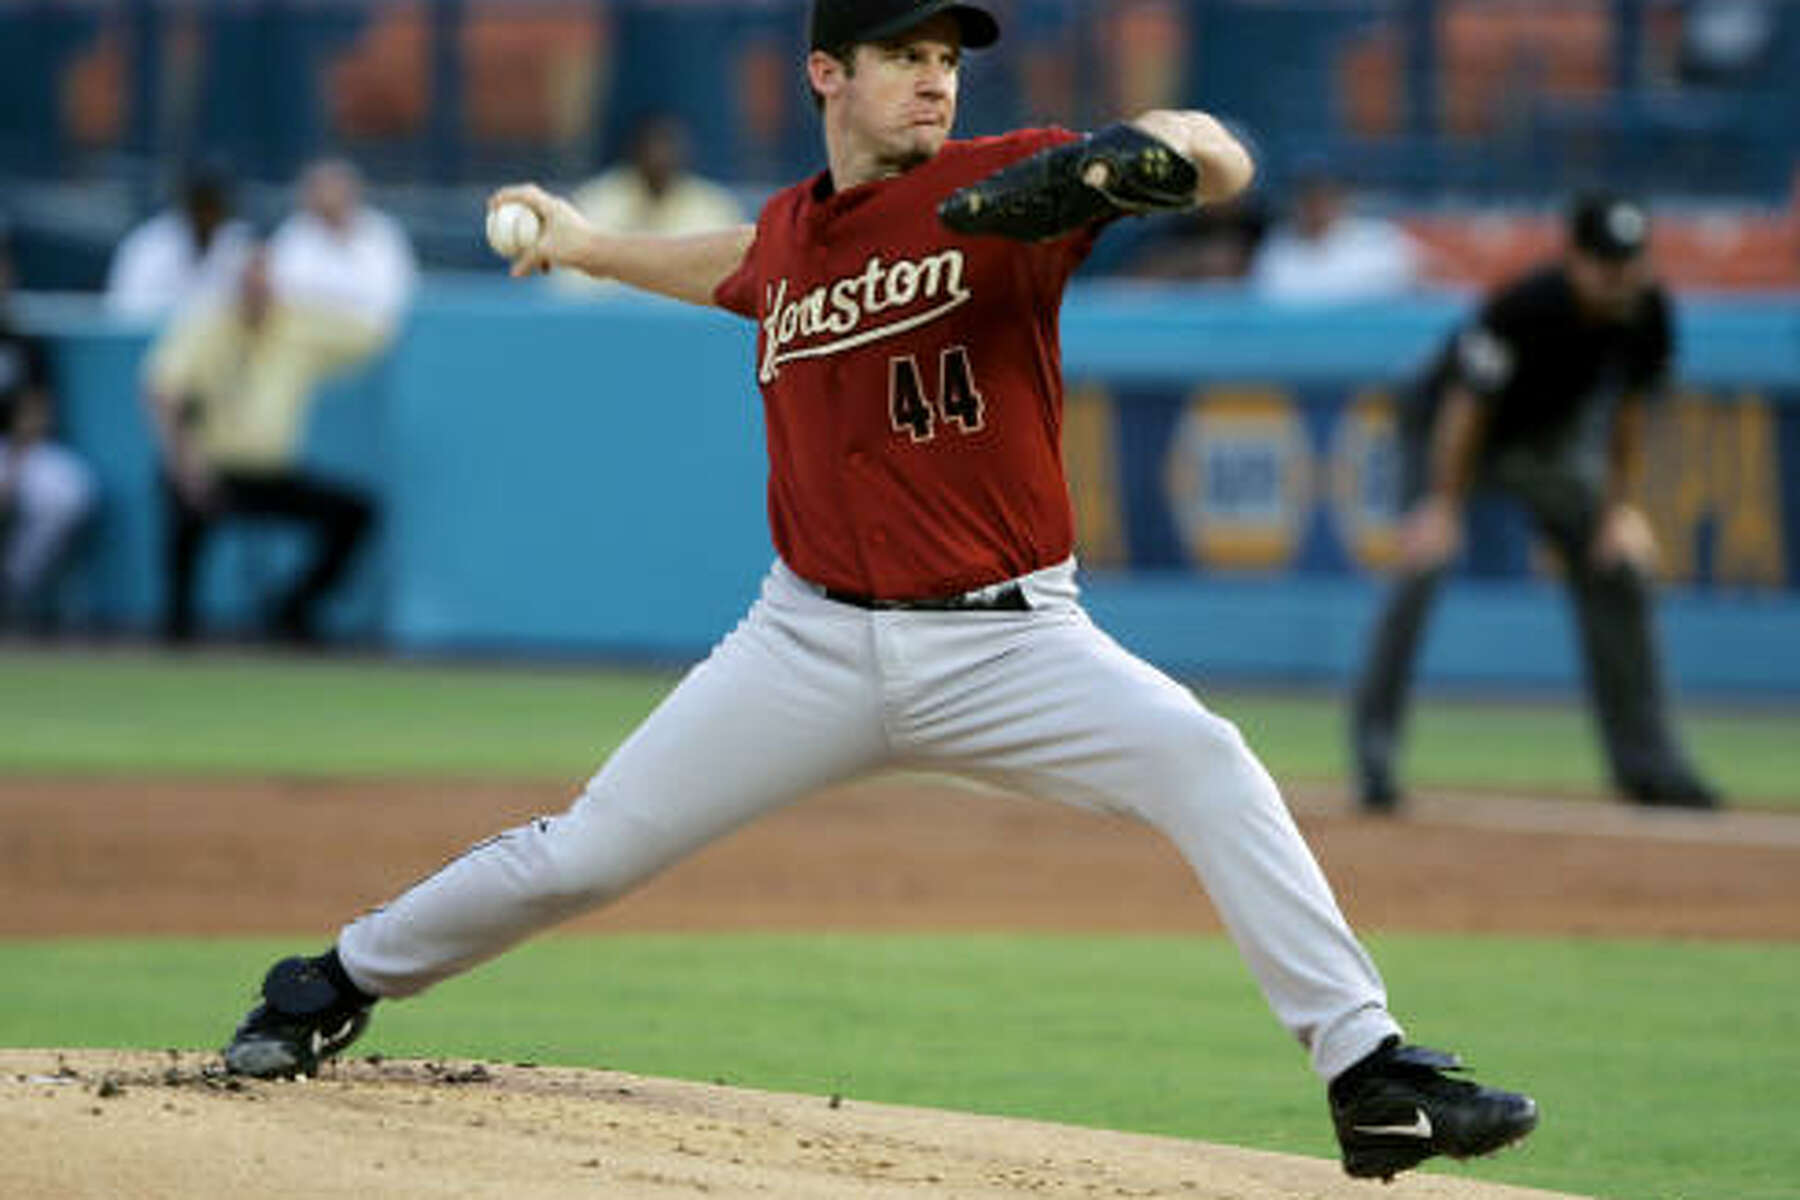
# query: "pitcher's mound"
[97,1123]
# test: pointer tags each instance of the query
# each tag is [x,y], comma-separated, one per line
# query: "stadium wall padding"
[587,477]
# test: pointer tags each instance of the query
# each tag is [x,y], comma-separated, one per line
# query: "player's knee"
[1222,772]
[1218,738]
[598,853]
[1192,743]
[585,874]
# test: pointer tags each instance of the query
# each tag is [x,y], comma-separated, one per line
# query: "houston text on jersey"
[917,292]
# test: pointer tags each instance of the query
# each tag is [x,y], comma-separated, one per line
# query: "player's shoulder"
[996,151]
[791,198]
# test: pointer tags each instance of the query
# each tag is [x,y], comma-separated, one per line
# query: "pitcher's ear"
[825,72]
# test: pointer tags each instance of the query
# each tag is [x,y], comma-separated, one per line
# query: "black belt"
[1006,598]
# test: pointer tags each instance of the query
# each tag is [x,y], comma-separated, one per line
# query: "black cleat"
[304,1019]
[1396,1108]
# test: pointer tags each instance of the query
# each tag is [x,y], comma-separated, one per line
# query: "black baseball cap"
[1609,226]
[840,23]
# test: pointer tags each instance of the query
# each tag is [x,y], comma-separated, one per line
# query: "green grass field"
[220,716]
[1667,1070]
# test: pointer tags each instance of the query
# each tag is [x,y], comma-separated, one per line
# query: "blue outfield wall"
[588,477]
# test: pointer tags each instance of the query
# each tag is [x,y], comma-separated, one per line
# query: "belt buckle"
[1006,596]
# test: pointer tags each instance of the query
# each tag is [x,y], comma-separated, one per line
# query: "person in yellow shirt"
[653,191]
[228,389]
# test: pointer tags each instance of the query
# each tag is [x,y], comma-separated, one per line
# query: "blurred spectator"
[188,253]
[1543,398]
[1725,42]
[229,391]
[346,266]
[45,491]
[652,192]
[228,412]
[1214,242]
[1325,252]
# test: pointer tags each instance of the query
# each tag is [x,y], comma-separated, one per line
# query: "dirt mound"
[108,1123]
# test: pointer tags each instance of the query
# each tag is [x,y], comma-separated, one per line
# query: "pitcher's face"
[896,100]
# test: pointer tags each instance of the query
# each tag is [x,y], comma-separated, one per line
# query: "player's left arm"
[1164,160]
[1225,166]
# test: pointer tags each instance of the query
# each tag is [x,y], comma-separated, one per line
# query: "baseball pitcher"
[922,611]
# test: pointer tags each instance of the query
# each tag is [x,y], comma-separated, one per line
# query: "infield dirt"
[276,856]
[103,1124]
[900,853]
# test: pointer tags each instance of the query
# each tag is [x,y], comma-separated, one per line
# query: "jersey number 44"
[917,412]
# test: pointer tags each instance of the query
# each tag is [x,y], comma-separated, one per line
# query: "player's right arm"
[689,267]
[1226,167]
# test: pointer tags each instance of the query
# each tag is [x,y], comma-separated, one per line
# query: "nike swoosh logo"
[1420,1127]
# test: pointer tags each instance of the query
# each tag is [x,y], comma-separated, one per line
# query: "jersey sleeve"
[737,292]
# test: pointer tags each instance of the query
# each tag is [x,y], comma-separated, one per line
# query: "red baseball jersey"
[911,381]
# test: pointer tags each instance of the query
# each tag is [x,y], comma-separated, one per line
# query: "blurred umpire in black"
[1542,398]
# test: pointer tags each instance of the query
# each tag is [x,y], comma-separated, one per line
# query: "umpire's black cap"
[840,23]
[1609,226]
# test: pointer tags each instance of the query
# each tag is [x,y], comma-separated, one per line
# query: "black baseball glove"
[1119,171]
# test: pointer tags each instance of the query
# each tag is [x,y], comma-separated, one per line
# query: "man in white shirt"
[1326,253]
[190,253]
[337,256]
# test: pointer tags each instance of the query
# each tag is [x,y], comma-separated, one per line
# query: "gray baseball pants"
[807,692]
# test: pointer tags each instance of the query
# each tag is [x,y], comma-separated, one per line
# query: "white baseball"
[513,229]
